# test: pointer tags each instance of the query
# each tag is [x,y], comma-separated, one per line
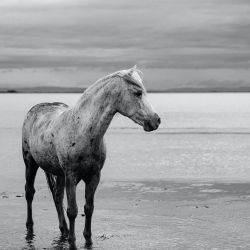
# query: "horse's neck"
[95,110]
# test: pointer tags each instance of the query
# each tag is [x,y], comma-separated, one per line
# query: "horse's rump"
[37,134]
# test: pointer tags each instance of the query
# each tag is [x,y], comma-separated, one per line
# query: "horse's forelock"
[132,75]
[137,75]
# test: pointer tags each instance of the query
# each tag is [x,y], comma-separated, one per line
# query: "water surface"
[186,111]
[201,136]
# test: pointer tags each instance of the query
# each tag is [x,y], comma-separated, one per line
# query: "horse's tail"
[51,180]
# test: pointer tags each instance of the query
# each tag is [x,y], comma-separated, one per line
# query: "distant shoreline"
[53,89]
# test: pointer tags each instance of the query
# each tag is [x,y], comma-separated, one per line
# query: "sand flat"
[139,215]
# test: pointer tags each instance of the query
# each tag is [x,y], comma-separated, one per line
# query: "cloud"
[163,34]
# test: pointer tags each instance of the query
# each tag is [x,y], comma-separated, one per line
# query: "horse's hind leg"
[59,194]
[30,174]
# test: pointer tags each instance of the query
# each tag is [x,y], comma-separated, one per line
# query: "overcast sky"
[175,42]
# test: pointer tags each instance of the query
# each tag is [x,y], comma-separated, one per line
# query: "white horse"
[67,142]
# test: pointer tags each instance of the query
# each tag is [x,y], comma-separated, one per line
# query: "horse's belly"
[49,165]
[56,170]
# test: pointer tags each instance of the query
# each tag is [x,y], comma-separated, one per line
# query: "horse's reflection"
[60,242]
[30,237]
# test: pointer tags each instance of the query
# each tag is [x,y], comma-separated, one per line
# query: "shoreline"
[66,90]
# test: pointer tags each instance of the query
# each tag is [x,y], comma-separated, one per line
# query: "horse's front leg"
[89,206]
[72,210]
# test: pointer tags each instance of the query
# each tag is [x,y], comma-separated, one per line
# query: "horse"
[68,142]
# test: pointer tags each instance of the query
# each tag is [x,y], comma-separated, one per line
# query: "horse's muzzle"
[152,124]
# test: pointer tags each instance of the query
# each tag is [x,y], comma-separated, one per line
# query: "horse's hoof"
[88,243]
[29,223]
[29,228]
[88,240]
[72,246]
[72,242]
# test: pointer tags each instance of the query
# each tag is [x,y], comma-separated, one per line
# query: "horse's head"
[133,101]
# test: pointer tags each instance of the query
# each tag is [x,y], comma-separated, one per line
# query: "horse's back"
[39,117]
[46,107]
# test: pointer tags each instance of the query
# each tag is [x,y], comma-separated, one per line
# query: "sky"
[176,43]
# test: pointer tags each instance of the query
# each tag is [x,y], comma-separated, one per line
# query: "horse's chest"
[91,163]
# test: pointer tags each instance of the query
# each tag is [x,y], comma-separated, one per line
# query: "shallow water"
[201,136]
[178,111]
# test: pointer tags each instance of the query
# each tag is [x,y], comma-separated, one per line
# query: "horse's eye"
[138,93]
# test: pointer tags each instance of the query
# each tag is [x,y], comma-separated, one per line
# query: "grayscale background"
[184,186]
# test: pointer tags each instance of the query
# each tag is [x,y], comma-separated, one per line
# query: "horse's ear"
[131,71]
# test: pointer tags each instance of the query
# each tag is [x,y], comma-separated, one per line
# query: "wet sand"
[138,215]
